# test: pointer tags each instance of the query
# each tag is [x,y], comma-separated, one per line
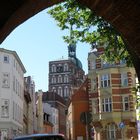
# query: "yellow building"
[40,126]
[29,113]
[110,98]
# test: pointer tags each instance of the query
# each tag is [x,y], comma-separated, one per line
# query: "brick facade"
[110,98]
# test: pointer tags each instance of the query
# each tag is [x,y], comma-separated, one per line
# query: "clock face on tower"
[59,69]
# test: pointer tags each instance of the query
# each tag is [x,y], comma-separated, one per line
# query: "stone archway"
[123,15]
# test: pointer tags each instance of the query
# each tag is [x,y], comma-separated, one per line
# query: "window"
[4,134]
[54,89]
[59,79]
[111,132]
[66,92]
[16,85]
[106,105]
[14,63]
[5,80]
[66,79]
[105,64]
[13,110]
[53,68]
[53,79]
[124,79]
[6,59]
[5,108]
[65,67]
[105,80]
[125,103]
[14,79]
[60,91]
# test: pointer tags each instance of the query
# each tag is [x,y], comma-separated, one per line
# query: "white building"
[11,93]
[53,116]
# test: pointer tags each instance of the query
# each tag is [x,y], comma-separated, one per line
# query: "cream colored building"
[29,117]
[39,105]
[111,100]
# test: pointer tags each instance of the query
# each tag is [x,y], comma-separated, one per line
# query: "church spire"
[72,45]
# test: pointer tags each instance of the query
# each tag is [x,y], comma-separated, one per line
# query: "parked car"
[41,137]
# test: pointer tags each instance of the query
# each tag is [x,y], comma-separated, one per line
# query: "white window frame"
[66,91]
[53,68]
[4,133]
[4,108]
[105,80]
[125,102]
[7,58]
[53,79]
[65,67]
[66,79]
[106,104]
[6,80]
[111,132]
[124,79]
[53,89]
[60,79]
[60,91]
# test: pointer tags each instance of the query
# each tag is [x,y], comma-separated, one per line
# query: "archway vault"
[124,15]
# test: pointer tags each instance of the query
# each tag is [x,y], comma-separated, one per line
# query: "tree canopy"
[85,26]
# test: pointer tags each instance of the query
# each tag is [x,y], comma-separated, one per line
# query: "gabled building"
[78,108]
[111,101]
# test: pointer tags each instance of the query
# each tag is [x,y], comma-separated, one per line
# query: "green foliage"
[85,26]
[136,93]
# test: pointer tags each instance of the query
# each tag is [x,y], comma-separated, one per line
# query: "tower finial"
[72,45]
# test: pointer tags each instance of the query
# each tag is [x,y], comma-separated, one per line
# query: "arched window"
[53,68]
[59,79]
[65,67]
[53,89]
[60,91]
[66,92]
[66,80]
[111,129]
[53,79]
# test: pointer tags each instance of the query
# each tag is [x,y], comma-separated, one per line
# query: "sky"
[38,41]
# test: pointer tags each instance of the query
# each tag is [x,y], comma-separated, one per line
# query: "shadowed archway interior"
[123,15]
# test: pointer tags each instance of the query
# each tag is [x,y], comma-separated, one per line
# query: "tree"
[85,26]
